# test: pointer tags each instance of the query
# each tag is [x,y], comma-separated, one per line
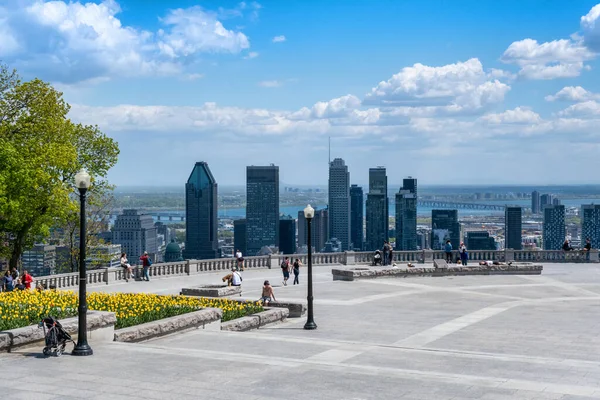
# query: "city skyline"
[254,77]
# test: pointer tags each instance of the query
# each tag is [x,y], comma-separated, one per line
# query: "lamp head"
[309,212]
[82,179]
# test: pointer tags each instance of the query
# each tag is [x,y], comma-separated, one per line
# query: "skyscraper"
[480,240]
[262,207]
[512,228]
[287,235]
[377,209]
[554,227]
[201,233]
[239,235]
[339,202]
[356,217]
[590,224]
[135,233]
[444,226]
[319,229]
[545,199]
[406,215]
[535,202]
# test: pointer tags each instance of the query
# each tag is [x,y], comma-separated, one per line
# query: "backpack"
[284,264]
[149,261]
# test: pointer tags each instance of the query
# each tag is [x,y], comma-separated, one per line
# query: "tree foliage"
[41,150]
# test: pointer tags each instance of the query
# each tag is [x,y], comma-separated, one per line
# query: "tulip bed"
[23,308]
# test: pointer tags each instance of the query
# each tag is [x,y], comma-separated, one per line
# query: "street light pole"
[82,348]
[309,213]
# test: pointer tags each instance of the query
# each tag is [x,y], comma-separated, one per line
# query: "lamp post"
[309,213]
[82,348]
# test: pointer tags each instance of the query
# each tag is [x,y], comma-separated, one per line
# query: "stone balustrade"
[192,267]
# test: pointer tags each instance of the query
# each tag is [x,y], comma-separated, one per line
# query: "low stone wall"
[100,325]
[351,274]
[207,318]
[296,310]
[212,291]
[256,321]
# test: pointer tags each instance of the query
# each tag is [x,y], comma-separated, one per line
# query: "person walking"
[267,293]
[285,269]
[297,265]
[146,263]
[386,253]
[391,254]
[125,265]
[448,251]
[464,256]
[587,248]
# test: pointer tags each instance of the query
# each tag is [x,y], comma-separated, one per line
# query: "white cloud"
[193,77]
[459,87]
[573,93]
[279,39]
[590,28]
[585,109]
[519,115]
[556,59]
[270,84]
[251,55]
[74,41]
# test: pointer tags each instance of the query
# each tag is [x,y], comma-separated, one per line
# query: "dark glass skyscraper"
[545,199]
[444,226]
[319,229]
[590,224]
[554,227]
[406,215]
[262,207]
[480,240]
[339,202]
[535,202]
[287,235]
[201,240]
[512,228]
[239,235]
[377,209]
[356,217]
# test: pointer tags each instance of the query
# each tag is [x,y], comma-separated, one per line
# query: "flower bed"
[23,308]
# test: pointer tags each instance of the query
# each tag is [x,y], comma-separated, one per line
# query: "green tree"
[41,150]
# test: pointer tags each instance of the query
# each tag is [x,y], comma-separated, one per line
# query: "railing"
[193,267]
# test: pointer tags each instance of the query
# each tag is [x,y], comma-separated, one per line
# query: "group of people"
[463,258]
[11,280]
[146,263]
[286,268]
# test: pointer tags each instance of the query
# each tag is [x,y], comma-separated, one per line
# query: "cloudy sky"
[451,92]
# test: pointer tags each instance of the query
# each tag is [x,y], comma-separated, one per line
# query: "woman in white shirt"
[125,264]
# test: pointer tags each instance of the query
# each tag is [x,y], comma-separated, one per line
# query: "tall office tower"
[545,200]
[377,209]
[40,260]
[262,207]
[201,225]
[135,233]
[554,227]
[319,229]
[239,235]
[444,226]
[406,216]
[339,202]
[556,201]
[356,217]
[480,240]
[535,202]
[512,228]
[590,224]
[287,235]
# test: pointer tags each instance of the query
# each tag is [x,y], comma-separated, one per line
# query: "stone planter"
[212,291]
[256,321]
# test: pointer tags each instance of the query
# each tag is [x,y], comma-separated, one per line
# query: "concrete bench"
[296,310]
[212,291]
[438,263]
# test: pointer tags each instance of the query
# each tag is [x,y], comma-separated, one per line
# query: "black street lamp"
[309,213]
[82,348]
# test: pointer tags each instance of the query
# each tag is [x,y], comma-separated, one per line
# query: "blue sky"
[469,92]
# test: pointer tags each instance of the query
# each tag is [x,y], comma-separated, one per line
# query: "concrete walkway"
[472,337]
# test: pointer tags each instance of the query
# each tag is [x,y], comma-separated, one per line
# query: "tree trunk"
[17,249]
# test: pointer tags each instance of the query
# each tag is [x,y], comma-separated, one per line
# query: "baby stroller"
[377,258]
[55,336]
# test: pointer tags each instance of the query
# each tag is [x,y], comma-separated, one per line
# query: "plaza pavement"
[472,337]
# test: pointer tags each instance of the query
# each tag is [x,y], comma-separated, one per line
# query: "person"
[285,268]
[267,293]
[146,263]
[7,282]
[587,248]
[391,255]
[14,273]
[464,256]
[39,287]
[448,251]
[240,259]
[377,258]
[125,264]
[566,246]
[297,265]
[26,280]
[236,277]
[386,253]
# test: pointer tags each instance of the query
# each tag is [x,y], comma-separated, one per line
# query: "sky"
[449,92]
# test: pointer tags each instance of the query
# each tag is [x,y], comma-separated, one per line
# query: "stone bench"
[212,291]
[296,310]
